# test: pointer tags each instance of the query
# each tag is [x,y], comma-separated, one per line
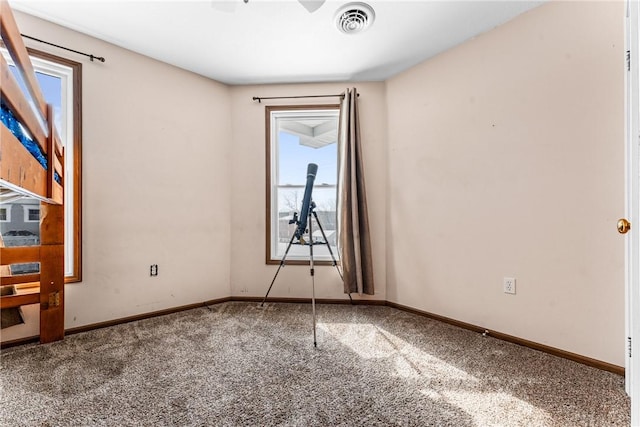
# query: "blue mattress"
[10,121]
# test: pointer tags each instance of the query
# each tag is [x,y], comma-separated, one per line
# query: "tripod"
[311,243]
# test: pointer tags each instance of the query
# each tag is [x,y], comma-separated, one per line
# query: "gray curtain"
[354,241]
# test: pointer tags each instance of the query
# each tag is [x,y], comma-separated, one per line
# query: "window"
[5,214]
[297,136]
[60,80]
[31,213]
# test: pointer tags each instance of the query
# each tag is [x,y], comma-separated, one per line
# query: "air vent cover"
[354,18]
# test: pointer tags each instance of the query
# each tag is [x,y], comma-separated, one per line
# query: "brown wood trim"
[17,300]
[19,254]
[143,316]
[13,41]
[86,328]
[443,319]
[605,366]
[267,168]
[268,109]
[77,170]
[515,340]
[19,278]
[19,341]
[308,300]
[77,157]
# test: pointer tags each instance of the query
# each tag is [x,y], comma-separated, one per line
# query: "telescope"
[312,170]
[308,209]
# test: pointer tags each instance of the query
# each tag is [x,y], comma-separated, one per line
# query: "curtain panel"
[354,240]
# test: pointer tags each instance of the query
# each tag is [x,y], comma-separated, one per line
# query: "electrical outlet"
[509,285]
[153,270]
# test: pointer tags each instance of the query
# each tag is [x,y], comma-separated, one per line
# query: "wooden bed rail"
[18,51]
[39,120]
[25,296]
[19,279]
[14,98]
[19,255]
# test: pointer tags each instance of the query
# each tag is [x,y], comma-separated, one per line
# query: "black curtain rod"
[260,98]
[90,56]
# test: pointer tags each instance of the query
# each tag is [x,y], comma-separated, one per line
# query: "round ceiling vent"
[354,18]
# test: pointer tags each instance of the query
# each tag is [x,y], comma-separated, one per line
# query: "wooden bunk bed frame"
[22,175]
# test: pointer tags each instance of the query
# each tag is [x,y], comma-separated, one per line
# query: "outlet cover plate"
[509,285]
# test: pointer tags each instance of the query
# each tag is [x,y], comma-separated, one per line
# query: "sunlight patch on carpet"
[451,385]
[492,408]
[370,342]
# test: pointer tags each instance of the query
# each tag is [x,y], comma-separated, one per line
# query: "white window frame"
[26,209]
[8,213]
[309,113]
[65,130]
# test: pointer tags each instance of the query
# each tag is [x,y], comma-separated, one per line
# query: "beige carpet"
[238,364]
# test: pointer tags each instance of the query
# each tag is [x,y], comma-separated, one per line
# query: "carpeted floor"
[236,364]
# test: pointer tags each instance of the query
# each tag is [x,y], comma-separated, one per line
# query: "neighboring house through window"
[297,136]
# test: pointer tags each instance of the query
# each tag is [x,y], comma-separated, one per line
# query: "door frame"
[632,202]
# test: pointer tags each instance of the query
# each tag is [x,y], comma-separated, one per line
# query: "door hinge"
[629,345]
[628,60]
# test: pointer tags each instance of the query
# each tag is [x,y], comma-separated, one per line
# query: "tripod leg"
[313,286]
[333,258]
[284,257]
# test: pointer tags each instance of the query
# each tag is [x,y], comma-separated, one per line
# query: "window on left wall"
[61,83]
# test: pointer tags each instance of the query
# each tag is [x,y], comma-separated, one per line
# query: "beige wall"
[156,183]
[506,158]
[250,276]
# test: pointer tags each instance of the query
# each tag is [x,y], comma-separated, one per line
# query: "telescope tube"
[312,170]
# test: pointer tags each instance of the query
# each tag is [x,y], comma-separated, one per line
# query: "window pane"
[300,138]
[52,90]
[296,152]
[290,202]
[60,81]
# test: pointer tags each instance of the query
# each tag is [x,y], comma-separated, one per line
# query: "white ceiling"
[265,41]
